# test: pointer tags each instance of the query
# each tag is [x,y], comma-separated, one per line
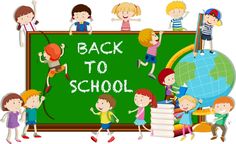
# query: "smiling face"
[177,13]
[81,16]
[210,20]
[222,108]
[141,101]
[103,105]
[169,80]
[187,105]
[155,39]
[125,15]
[32,102]
[13,105]
[25,19]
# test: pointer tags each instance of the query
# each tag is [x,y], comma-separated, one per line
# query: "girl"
[12,103]
[142,98]
[26,18]
[125,11]
[149,39]
[52,54]
[188,105]
[80,13]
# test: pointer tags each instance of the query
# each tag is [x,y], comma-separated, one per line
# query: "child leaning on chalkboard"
[52,54]
[104,105]
[142,99]
[80,13]
[151,41]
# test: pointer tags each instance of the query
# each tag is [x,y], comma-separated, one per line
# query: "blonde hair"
[175,5]
[188,98]
[125,6]
[28,94]
[145,36]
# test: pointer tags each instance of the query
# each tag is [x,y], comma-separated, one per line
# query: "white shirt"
[29,27]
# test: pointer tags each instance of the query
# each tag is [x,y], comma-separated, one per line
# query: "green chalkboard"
[69,110]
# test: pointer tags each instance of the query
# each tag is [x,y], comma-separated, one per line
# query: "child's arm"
[175,92]
[90,29]
[178,115]
[41,101]
[34,2]
[175,87]
[23,116]
[115,19]
[92,110]
[160,35]
[117,120]
[138,20]
[20,38]
[70,29]
[131,111]
[40,57]
[4,117]
[170,25]
[198,105]
[186,13]
[62,48]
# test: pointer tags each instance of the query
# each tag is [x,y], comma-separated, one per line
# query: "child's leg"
[152,71]
[189,129]
[25,129]
[108,132]
[17,135]
[142,63]
[146,128]
[140,132]
[65,65]
[183,130]
[98,132]
[48,83]
[203,44]
[211,45]
[9,136]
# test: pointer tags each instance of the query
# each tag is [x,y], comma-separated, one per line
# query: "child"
[212,17]
[188,105]
[52,54]
[125,11]
[105,104]
[177,11]
[26,18]
[12,103]
[222,106]
[149,39]
[142,99]
[31,103]
[167,78]
[80,13]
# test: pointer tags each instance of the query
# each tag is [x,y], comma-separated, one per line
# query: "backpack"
[110,117]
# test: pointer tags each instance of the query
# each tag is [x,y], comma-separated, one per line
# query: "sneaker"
[37,136]
[152,76]
[94,139]
[48,89]
[192,137]
[138,64]
[212,52]
[202,53]
[214,137]
[222,138]
[67,77]
[183,138]
[25,137]
[111,139]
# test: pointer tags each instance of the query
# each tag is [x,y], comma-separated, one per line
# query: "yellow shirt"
[104,117]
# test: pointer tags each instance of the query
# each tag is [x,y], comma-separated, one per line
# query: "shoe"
[18,140]
[192,137]
[48,89]
[152,76]
[25,137]
[214,137]
[138,64]
[212,52]
[37,136]
[111,139]
[94,139]
[8,141]
[183,138]
[223,139]
[140,137]
[67,77]
[202,53]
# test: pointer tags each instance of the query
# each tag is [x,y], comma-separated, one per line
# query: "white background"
[55,15]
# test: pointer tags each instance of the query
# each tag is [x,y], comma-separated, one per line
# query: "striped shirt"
[29,27]
[207,29]
[177,23]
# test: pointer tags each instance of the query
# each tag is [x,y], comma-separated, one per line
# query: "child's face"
[103,105]
[154,39]
[81,16]
[32,102]
[141,101]
[222,108]
[47,57]
[210,20]
[13,105]
[125,15]
[25,19]
[177,13]
[169,80]
[186,105]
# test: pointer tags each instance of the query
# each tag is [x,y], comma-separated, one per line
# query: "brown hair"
[9,97]
[81,8]
[23,10]
[224,99]
[109,99]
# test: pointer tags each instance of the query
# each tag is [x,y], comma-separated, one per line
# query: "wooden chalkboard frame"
[81,127]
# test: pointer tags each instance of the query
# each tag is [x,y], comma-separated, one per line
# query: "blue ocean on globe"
[207,77]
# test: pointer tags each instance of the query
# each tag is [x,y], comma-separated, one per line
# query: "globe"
[207,77]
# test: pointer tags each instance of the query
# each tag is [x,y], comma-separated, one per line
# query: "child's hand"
[34,2]
[70,33]
[200,101]
[90,32]
[113,19]
[2,120]
[161,32]
[40,54]
[22,120]
[91,109]
[42,98]
[117,120]
[129,112]
[21,44]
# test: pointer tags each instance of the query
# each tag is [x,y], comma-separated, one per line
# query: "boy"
[222,106]
[211,18]
[177,11]
[105,104]
[31,103]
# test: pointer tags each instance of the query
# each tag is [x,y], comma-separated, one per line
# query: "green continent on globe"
[223,68]
[184,72]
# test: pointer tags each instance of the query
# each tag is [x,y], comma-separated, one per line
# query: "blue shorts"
[150,58]
[31,122]
[139,122]
[106,126]
[206,37]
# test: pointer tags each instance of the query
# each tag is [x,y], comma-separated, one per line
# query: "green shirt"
[222,120]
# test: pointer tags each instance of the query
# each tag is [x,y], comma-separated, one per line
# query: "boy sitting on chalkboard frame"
[105,104]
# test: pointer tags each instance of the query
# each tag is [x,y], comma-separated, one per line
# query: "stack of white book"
[162,120]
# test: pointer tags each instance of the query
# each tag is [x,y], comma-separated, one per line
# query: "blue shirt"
[81,27]
[31,114]
[177,23]
[187,116]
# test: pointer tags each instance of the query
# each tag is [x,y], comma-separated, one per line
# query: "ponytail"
[18,27]
[36,22]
